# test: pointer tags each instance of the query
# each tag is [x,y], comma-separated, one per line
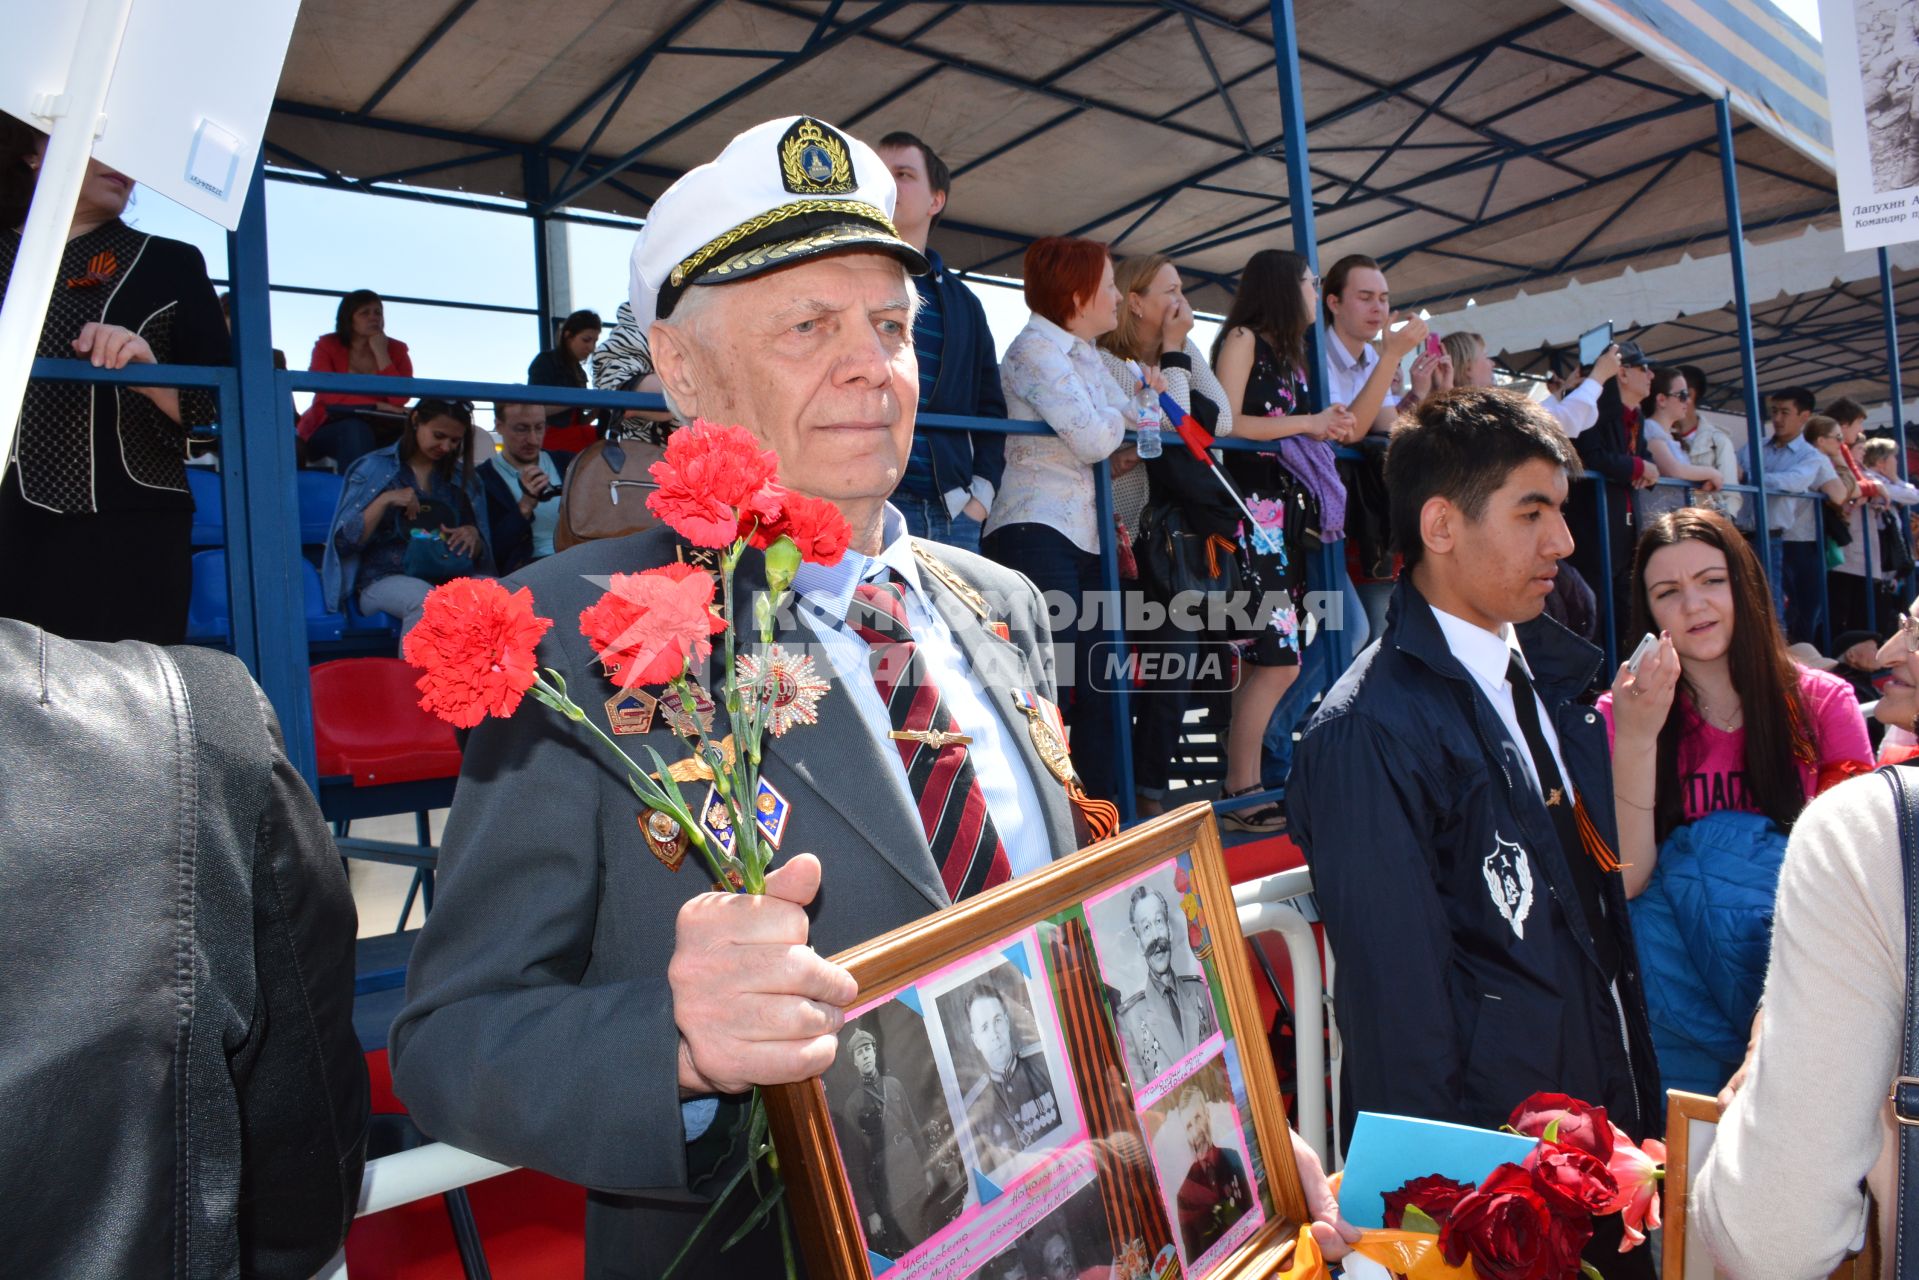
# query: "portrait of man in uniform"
[1215,1193]
[885,1142]
[1167,1011]
[1072,1242]
[1006,1087]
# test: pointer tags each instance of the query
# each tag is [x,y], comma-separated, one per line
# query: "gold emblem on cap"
[814,161]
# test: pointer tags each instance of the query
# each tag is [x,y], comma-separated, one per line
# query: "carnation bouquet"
[1526,1221]
[656,630]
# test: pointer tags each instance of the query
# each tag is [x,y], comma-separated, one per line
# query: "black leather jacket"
[182,1091]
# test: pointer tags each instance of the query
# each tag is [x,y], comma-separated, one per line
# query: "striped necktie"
[939,767]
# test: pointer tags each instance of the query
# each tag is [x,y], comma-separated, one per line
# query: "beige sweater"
[1779,1197]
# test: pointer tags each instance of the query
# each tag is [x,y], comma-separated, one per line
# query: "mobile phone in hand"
[1646,646]
[1433,346]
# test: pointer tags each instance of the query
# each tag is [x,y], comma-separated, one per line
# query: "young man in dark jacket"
[522,483]
[1455,804]
[951,476]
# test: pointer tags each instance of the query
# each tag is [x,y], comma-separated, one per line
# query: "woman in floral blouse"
[1044,521]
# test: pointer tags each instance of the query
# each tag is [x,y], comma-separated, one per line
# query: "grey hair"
[690,311]
[1140,895]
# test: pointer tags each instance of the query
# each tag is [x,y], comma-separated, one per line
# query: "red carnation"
[714,481]
[1505,1227]
[815,525]
[648,625]
[474,643]
[1580,1124]
[1432,1195]
[1573,1182]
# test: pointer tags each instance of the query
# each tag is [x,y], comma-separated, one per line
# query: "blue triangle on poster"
[1017,954]
[911,999]
[987,1189]
[879,1264]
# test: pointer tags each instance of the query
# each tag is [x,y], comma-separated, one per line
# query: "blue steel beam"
[267,598]
[1748,362]
[1895,388]
[839,35]
[1619,211]
[1219,87]
[420,51]
[1405,135]
[632,70]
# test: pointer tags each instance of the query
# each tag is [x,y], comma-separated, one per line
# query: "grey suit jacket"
[538,1028]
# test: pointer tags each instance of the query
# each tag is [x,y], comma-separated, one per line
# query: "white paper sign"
[1872,90]
[190,94]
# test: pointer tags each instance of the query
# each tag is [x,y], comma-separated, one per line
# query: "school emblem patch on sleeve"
[1509,878]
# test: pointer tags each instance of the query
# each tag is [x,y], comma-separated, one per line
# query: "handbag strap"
[1905,1087]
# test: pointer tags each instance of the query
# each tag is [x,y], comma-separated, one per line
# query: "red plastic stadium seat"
[367,724]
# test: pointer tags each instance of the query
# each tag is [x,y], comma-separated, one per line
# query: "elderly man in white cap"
[575,1007]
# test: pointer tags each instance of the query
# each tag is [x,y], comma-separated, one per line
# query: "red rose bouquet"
[657,629]
[1526,1221]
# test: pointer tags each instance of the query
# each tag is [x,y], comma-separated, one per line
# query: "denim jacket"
[371,475]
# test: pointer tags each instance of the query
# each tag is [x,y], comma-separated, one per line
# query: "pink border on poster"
[982,1232]
[1250,1221]
[1147,1093]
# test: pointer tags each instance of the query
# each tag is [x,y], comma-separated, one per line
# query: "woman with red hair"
[1044,521]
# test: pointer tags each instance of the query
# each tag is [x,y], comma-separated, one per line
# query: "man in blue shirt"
[951,476]
[1798,536]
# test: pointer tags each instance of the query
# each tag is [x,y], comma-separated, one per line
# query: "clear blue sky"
[338,241]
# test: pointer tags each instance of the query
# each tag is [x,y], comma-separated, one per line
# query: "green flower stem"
[554,695]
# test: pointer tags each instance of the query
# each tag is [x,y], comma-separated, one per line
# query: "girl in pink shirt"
[1718,716]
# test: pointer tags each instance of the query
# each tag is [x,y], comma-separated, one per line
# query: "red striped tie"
[952,806]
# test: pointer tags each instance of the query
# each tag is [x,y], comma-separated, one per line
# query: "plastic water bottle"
[1148,442]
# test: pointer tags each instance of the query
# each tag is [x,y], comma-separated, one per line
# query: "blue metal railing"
[224,382]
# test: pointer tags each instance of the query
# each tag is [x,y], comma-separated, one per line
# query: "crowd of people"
[1514,850]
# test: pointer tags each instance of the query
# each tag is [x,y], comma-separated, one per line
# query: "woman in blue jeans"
[1045,521]
[411,516]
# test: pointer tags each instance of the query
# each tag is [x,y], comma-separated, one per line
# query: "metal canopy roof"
[1494,143]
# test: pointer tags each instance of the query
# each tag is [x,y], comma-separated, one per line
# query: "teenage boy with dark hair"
[951,476]
[1798,565]
[1455,803]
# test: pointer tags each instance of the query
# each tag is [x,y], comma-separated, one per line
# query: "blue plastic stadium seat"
[208,618]
[319,495]
[321,624]
[209,514]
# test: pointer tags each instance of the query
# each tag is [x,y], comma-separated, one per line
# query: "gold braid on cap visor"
[772,217]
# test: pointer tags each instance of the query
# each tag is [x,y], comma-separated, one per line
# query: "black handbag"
[1838,527]
[1173,559]
[1895,557]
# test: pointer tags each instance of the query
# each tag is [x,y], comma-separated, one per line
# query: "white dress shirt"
[1052,376]
[1346,374]
[826,594]
[1577,410]
[1485,655]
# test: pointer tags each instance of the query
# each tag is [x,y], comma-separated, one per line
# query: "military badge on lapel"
[1095,819]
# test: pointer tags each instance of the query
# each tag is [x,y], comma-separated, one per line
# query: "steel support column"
[535,182]
[1742,309]
[268,602]
[1894,389]
[1299,179]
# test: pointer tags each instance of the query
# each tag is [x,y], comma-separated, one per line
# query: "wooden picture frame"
[1689,1118]
[1683,1156]
[1005,1020]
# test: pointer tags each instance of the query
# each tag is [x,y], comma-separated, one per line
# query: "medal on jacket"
[664,837]
[1048,731]
[631,712]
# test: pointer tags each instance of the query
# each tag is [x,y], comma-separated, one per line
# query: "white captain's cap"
[782,192]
